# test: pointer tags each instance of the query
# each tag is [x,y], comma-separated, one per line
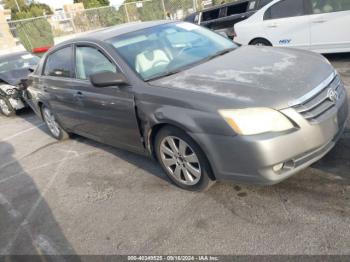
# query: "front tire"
[182,160]
[54,127]
[6,107]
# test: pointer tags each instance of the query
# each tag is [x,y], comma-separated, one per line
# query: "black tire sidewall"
[204,181]
[12,110]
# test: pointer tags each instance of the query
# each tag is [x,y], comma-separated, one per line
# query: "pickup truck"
[223,17]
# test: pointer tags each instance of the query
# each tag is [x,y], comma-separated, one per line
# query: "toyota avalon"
[204,108]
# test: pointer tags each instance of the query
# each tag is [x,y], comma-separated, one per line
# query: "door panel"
[286,23]
[105,114]
[330,31]
[60,96]
[57,87]
[108,115]
[289,32]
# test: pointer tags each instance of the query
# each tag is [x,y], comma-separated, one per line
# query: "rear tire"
[260,42]
[182,160]
[54,127]
[6,108]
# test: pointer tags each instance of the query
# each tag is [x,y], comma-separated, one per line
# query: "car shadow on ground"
[337,162]
[27,224]
[341,57]
[145,163]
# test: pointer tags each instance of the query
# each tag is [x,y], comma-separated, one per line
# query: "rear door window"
[285,8]
[59,63]
[328,6]
[90,61]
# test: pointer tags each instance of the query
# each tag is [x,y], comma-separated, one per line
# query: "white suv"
[319,25]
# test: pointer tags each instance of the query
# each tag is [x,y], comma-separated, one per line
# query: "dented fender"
[15,103]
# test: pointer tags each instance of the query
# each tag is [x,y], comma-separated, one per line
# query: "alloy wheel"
[180,160]
[51,122]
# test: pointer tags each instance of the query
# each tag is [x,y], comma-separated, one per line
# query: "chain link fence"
[43,31]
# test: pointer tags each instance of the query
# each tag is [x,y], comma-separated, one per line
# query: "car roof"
[13,55]
[114,31]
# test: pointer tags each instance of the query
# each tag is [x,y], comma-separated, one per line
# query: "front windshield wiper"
[172,72]
[167,73]
[219,53]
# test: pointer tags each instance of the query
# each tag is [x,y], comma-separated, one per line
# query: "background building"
[6,38]
[74,8]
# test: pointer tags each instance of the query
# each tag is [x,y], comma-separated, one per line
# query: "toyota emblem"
[333,95]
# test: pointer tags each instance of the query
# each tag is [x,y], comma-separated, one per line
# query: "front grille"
[313,108]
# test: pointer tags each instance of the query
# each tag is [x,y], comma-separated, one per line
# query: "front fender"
[152,116]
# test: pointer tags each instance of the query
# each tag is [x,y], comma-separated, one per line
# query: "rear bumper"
[252,159]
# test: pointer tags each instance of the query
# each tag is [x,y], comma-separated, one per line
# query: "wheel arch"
[260,38]
[155,129]
[40,107]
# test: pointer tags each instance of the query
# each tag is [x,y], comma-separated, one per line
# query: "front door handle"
[319,21]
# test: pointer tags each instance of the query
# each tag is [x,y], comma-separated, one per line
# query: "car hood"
[14,77]
[255,76]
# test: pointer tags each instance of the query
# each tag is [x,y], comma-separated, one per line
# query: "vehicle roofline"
[105,33]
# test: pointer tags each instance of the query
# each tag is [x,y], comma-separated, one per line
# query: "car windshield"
[16,62]
[169,48]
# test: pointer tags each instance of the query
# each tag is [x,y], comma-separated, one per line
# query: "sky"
[59,3]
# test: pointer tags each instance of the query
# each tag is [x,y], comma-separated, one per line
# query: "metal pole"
[19,9]
[164,9]
[127,14]
[195,5]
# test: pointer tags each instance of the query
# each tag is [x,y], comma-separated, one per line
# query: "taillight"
[234,34]
[39,50]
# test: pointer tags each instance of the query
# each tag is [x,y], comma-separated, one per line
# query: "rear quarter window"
[324,6]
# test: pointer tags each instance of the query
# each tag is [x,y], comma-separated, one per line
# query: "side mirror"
[105,79]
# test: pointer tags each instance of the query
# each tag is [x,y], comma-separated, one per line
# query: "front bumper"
[251,159]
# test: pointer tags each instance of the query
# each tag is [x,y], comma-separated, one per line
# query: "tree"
[24,10]
[93,3]
[11,4]
[31,32]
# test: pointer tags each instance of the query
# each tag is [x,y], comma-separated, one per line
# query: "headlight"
[253,121]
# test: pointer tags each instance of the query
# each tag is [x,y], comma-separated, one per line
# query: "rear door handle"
[273,25]
[78,95]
